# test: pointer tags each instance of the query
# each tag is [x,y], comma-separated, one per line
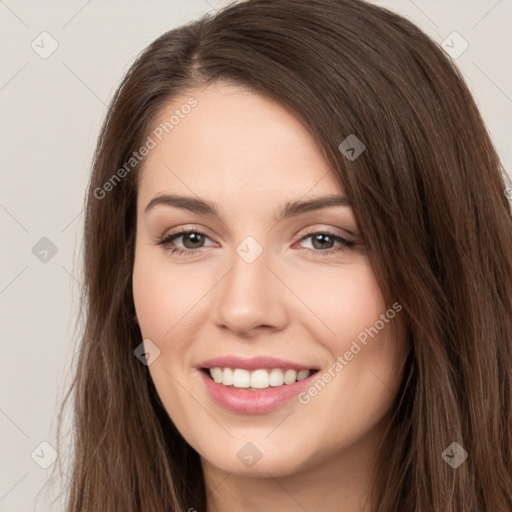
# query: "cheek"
[363,331]
[153,300]
[163,296]
[344,301]
[166,302]
[357,330]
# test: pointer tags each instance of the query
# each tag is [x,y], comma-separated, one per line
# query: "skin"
[250,156]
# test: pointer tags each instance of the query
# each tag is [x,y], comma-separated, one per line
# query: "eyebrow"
[289,209]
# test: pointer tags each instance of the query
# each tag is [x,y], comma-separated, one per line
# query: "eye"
[191,238]
[321,239]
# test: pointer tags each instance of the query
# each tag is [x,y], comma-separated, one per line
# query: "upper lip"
[252,363]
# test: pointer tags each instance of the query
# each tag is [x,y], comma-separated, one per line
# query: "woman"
[230,360]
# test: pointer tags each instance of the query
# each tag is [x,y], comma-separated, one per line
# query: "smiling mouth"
[256,380]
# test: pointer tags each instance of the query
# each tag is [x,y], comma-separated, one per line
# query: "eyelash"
[165,241]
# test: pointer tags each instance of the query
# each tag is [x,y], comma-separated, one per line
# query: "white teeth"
[257,379]
[290,376]
[276,377]
[303,374]
[227,376]
[241,378]
[216,374]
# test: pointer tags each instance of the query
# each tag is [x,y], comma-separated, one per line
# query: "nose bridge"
[250,296]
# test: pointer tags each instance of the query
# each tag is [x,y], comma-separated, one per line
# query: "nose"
[251,298]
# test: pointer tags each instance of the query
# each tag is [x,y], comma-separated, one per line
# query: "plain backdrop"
[51,109]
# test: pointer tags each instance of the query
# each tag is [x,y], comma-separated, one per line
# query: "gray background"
[51,110]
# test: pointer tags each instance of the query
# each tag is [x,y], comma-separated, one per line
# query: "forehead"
[232,138]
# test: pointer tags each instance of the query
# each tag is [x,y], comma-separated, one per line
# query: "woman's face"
[259,277]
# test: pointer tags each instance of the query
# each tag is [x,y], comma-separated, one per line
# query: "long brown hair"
[429,197]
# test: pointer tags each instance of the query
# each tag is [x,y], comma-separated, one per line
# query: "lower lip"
[253,402]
